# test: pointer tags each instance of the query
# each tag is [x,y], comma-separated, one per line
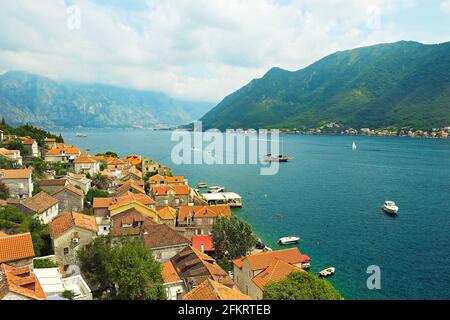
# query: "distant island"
[403,86]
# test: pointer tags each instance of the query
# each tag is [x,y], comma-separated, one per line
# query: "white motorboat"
[354,147]
[81,135]
[390,207]
[289,240]
[216,189]
[328,272]
[203,185]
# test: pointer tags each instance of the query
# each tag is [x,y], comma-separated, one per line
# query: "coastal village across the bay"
[65,212]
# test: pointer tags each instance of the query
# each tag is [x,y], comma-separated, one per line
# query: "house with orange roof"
[79,181]
[253,272]
[173,196]
[19,284]
[117,164]
[149,166]
[160,180]
[51,185]
[203,244]
[135,160]
[41,206]
[11,155]
[50,143]
[69,233]
[213,290]
[63,153]
[199,220]
[70,198]
[16,250]
[18,181]
[31,146]
[86,164]
[168,215]
[129,186]
[194,267]
[129,223]
[172,282]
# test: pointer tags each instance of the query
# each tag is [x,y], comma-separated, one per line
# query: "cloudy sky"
[200,49]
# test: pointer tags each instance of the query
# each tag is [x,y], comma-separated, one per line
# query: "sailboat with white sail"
[354,146]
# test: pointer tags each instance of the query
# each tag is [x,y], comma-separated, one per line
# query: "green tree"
[6,163]
[135,272]
[39,167]
[96,193]
[44,263]
[100,181]
[232,238]
[17,145]
[4,191]
[123,271]
[301,286]
[68,294]
[111,154]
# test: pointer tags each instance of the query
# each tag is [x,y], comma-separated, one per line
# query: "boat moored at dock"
[223,198]
[202,185]
[216,189]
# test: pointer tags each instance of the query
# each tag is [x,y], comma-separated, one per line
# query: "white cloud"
[445,6]
[198,49]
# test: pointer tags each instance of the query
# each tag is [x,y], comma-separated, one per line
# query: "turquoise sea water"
[331,197]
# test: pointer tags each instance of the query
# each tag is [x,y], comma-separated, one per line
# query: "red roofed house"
[18,181]
[41,206]
[19,284]
[172,282]
[16,250]
[173,196]
[86,164]
[70,232]
[199,220]
[253,272]
[203,244]
[70,198]
[63,154]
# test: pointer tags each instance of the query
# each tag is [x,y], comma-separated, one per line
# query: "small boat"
[216,189]
[203,185]
[288,240]
[354,147]
[270,158]
[81,135]
[390,207]
[328,272]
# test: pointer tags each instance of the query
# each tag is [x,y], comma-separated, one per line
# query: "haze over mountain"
[37,100]
[403,84]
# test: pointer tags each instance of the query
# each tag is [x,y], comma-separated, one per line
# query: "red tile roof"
[16,247]
[169,273]
[15,174]
[102,202]
[69,188]
[69,220]
[162,235]
[21,281]
[203,212]
[130,216]
[52,182]
[163,190]
[213,290]
[207,242]
[40,202]
[262,260]
[278,270]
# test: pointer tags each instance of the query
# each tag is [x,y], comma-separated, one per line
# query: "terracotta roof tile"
[203,211]
[162,235]
[22,281]
[169,273]
[213,290]
[262,260]
[130,216]
[40,202]
[70,188]
[15,174]
[167,213]
[52,182]
[128,186]
[207,242]
[16,247]
[102,202]
[278,270]
[163,190]
[69,220]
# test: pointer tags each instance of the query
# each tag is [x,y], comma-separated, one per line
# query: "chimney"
[202,248]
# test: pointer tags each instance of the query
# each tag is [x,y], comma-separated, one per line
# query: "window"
[66,251]
[105,228]
[66,266]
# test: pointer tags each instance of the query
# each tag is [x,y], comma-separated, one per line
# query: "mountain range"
[37,100]
[403,84]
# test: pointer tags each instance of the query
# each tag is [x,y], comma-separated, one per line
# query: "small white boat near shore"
[216,189]
[328,272]
[288,240]
[202,185]
[390,207]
